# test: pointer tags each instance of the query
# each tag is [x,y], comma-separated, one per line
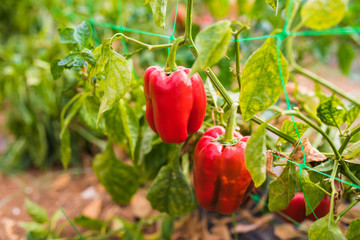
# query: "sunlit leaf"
[325,228]
[353,232]
[330,114]
[218,8]
[353,151]
[158,8]
[83,34]
[274,4]
[36,212]
[289,128]
[352,115]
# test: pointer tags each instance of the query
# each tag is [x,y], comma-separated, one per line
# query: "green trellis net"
[280,37]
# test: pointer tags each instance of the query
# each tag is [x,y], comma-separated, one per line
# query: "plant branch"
[148,46]
[333,190]
[237,59]
[170,63]
[349,135]
[343,212]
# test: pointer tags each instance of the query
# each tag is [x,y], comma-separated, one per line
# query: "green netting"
[279,37]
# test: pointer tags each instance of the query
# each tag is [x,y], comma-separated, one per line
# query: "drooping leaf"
[323,14]
[212,43]
[170,192]
[261,83]
[282,190]
[117,81]
[67,35]
[274,4]
[313,191]
[353,232]
[345,57]
[158,8]
[102,54]
[56,69]
[122,124]
[311,153]
[88,114]
[330,114]
[36,212]
[325,228]
[89,223]
[218,9]
[289,128]
[255,155]
[83,34]
[120,180]
[144,144]
[352,115]
[353,151]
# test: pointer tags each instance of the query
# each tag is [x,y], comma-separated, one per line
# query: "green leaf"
[289,128]
[274,4]
[88,56]
[36,212]
[65,147]
[118,80]
[323,14]
[345,56]
[120,180]
[353,232]
[37,230]
[167,228]
[158,7]
[170,191]
[211,96]
[88,114]
[330,114]
[68,59]
[325,166]
[352,115]
[282,190]
[56,69]
[353,151]
[102,55]
[144,144]
[218,9]
[67,35]
[122,123]
[83,34]
[89,223]
[255,155]
[261,83]
[326,229]
[212,44]
[313,191]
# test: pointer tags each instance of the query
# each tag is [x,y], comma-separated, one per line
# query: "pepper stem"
[170,63]
[229,132]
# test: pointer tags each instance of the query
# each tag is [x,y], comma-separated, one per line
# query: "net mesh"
[280,37]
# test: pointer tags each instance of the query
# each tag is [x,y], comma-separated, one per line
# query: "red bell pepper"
[175,105]
[221,179]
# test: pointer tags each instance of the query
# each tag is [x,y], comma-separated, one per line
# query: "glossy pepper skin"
[221,179]
[175,105]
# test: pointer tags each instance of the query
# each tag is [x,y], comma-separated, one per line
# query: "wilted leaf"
[311,154]
[323,14]
[255,155]
[120,180]
[289,128]
[269,162]
[325,228]
[282,190]
[158,8]
[261,83]
[212,44]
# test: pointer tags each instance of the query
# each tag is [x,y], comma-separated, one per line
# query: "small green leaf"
[83,34]
[66,35]
[89,223]
[102,56]
[218,9]
[261,83]
[122,123]
[158,7]
[211,96]
[281,192]
[170,192]
[353,151]
[274,4]
[118,80]
[120,180]
[345,56]
[325,166]
[330,114]
[167,228]
[325,228]
[56,69]
[323,14]
[144,144]
[88,114]
[212,44]
[353,232]
[255,155]
[352,115]
[37,230]
[289,128]
[36,212]
[312,191]
[65,147]
[88,56]
[68,59]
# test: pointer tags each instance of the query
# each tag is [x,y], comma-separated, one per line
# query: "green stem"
[333,190]
[170,63]
[294,5]
[148,46]
[230,127]
[349,135]
[343,212]
[188,22]
[237,58]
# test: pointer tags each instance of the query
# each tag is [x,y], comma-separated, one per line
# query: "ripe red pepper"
[221,179]
[175,105]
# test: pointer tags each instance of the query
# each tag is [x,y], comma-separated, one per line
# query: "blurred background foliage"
[31,100]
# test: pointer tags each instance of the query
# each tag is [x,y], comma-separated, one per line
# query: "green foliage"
[38,213]
[345,57]
[289,128]
[325,228]
[255,156]
[261,84]
[217,8]
[353,231]
[330,114]
[89,223]
[158,8]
